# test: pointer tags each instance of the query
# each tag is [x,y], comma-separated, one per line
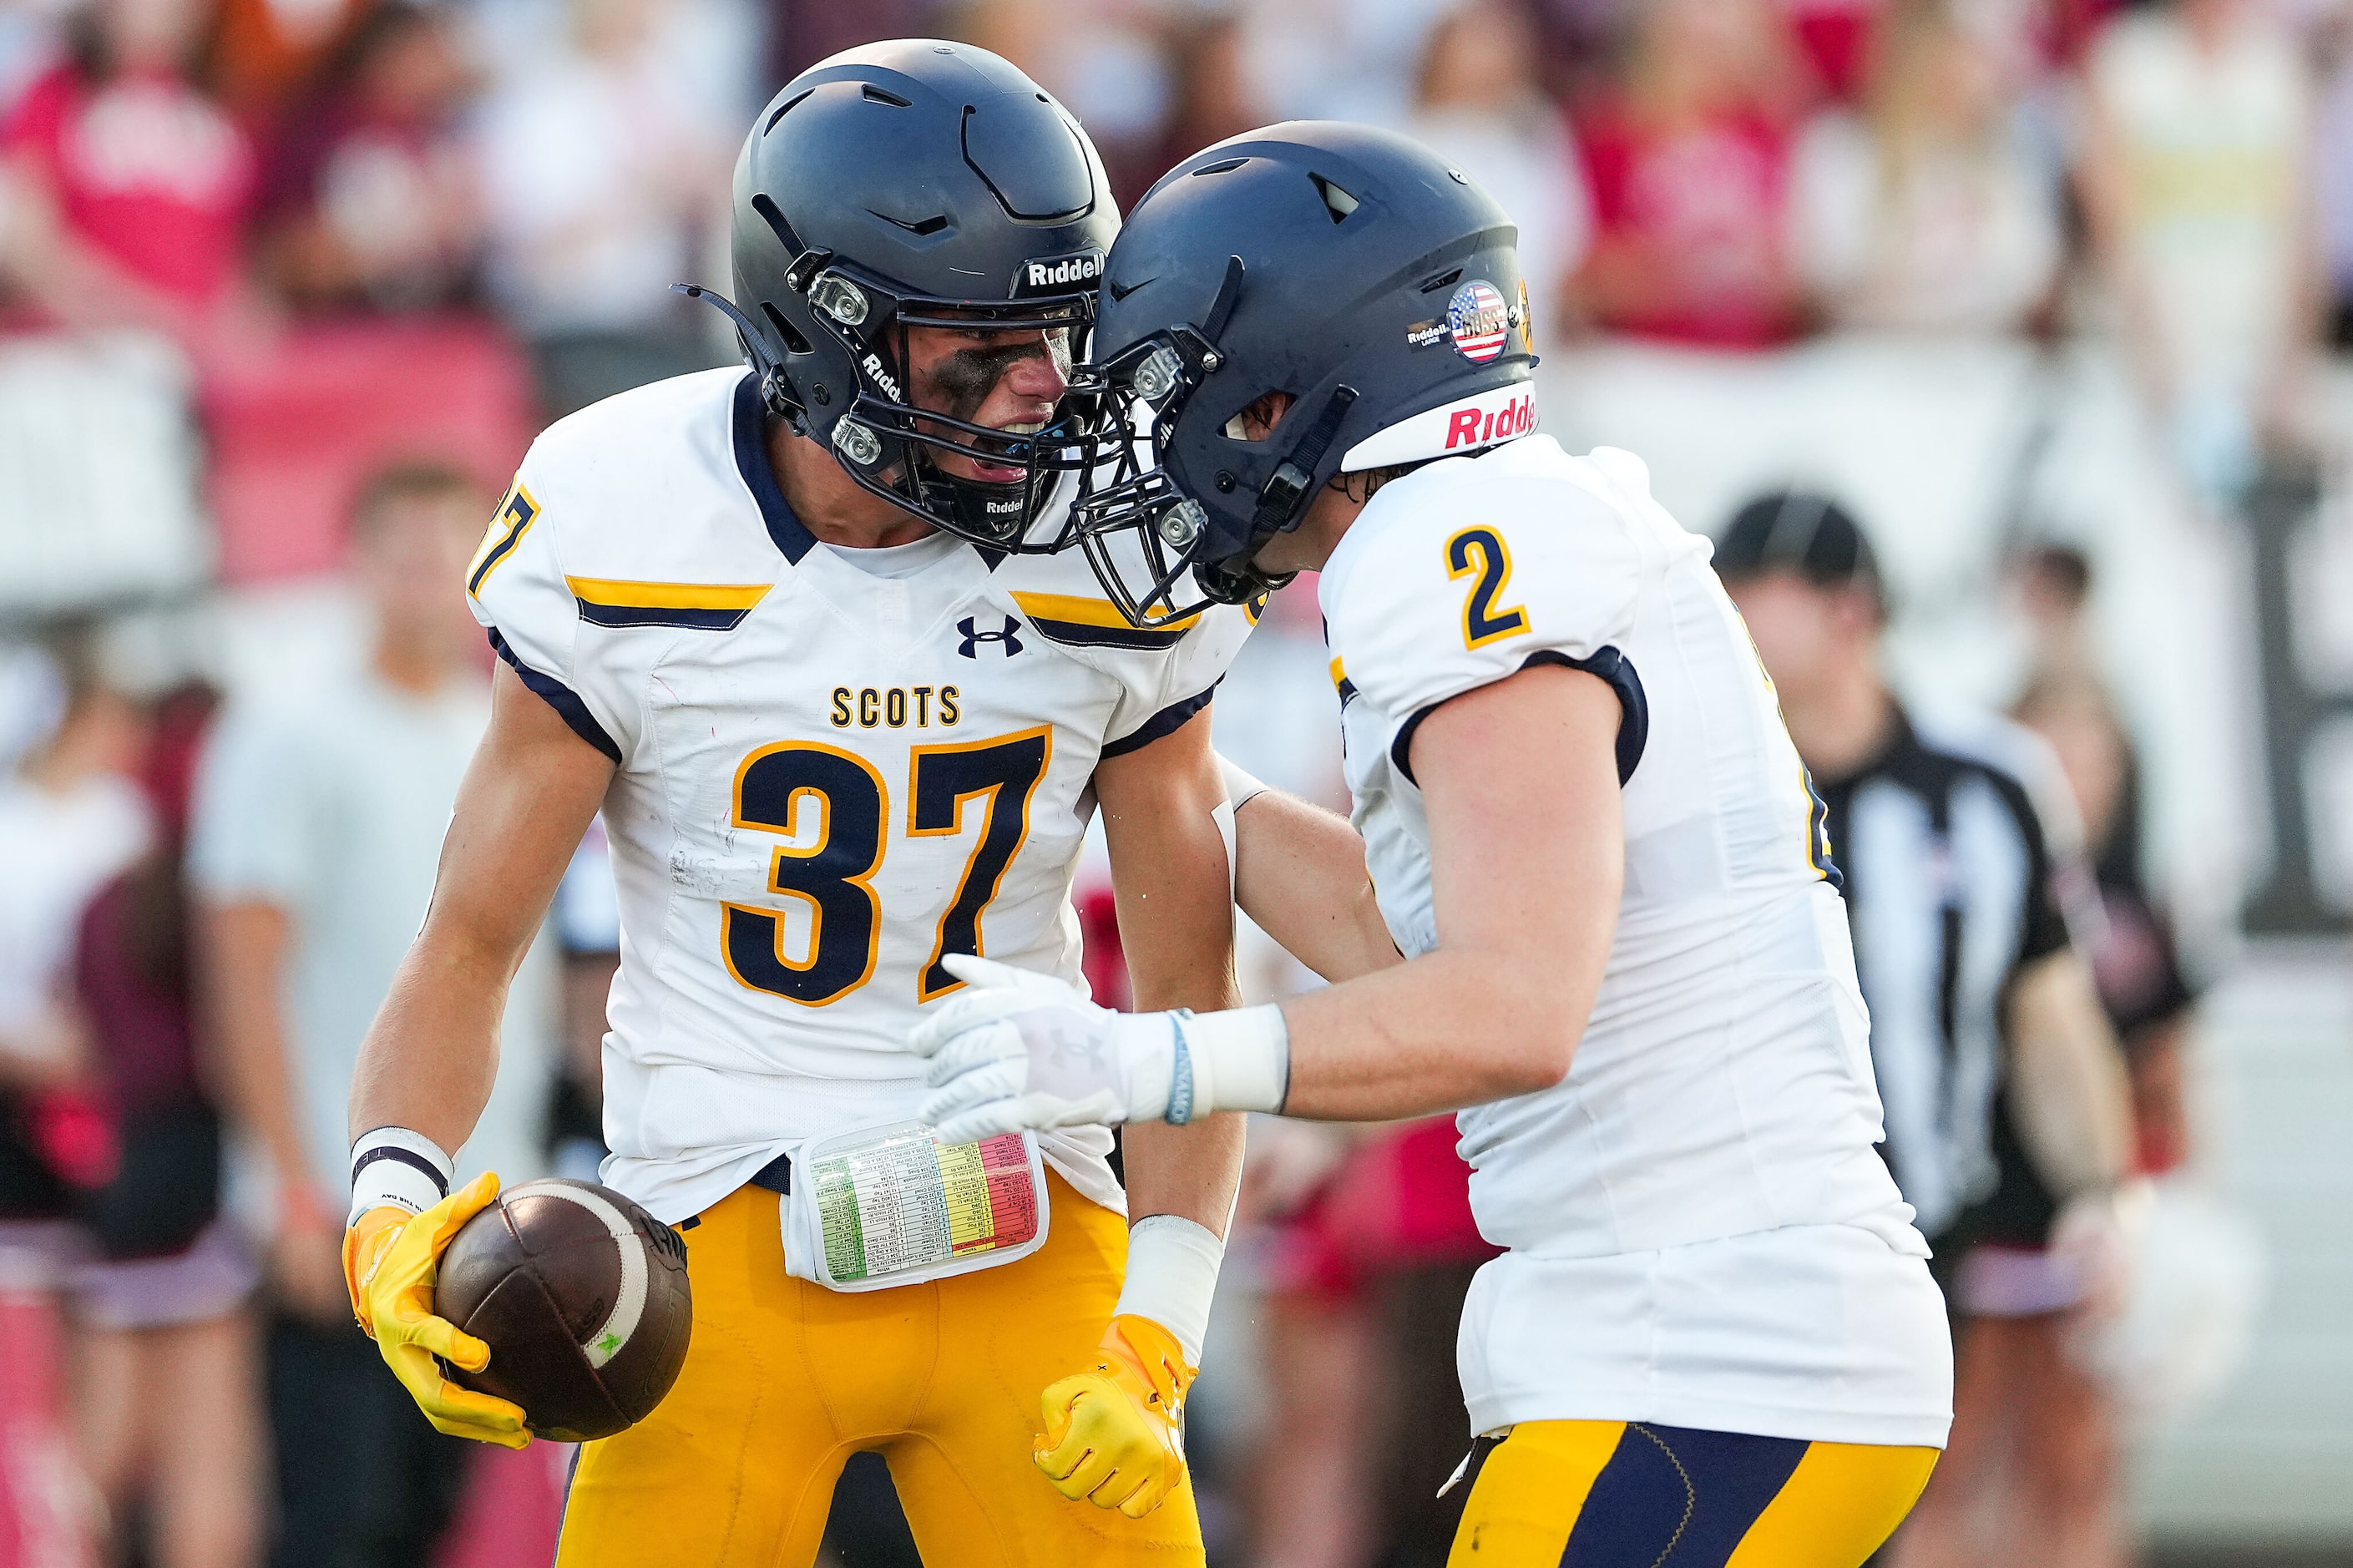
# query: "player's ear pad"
[538,1277]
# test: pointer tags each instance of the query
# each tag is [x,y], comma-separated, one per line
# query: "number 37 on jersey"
[833,809]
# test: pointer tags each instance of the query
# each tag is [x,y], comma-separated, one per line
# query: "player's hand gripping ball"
[559,1307]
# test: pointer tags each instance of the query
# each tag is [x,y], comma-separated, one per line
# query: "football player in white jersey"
[1714,1338]
[796,632]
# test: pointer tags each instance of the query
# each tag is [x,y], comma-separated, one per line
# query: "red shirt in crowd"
[143,169]
[1690,225]
[1835,35]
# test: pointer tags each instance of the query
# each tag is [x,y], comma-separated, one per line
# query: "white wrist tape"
[1234,1060]
[1172,1276]
[393,1165]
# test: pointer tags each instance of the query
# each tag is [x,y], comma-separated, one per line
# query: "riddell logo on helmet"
[1475,426]
[1499,414]
[1059,274]
[872,365]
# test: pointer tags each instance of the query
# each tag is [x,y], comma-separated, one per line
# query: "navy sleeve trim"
[1615,667]
[1166,720]
[560,697]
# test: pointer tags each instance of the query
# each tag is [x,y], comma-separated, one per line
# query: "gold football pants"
[1634,1494]
[785,1380]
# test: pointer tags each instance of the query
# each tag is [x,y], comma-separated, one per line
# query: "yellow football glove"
[390,1257]
[1115,1436]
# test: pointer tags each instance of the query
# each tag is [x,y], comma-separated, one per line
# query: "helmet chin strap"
[1282,503]
[773,390]
[1283,497]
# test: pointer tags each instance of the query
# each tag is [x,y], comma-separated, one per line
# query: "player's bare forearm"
[430,1056]
[1173,884]
[1520,782]
[1299,872]
[2068,1088]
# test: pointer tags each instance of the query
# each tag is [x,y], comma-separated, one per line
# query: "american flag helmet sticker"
[1479,321]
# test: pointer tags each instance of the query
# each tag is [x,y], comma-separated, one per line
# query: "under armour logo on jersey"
[973,639]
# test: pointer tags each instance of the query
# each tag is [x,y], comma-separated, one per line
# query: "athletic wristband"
[1235,1060]
[1172,1276]
[392,1166]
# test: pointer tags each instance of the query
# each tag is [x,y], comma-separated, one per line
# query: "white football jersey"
[834,767]
[1700,1232]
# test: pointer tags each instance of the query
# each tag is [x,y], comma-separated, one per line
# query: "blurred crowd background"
[2050,295]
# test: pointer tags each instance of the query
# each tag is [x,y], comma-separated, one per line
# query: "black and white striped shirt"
[1952,886]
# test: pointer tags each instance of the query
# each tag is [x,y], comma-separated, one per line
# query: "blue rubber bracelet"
[1180,1072]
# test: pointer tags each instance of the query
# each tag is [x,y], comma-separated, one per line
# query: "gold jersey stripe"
[1339,675]
[1072,609]
[668,596]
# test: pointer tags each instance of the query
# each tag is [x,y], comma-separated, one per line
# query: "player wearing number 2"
[795,632]
[1714,1339]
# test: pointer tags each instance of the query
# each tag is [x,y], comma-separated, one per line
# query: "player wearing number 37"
[1714,1339]
[800,632]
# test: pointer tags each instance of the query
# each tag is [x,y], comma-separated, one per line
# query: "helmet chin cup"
[1236,582]
[984,511]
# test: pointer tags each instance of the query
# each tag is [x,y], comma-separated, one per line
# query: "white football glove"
[1019,1050]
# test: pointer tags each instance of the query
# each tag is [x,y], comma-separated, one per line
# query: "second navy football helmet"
[1350,268]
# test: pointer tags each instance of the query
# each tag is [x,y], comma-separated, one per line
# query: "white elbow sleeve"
[1241,785]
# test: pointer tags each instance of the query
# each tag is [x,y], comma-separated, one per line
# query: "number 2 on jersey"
[833,874]
[1481,551]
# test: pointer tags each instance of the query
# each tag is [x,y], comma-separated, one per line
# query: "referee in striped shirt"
[2007,1109]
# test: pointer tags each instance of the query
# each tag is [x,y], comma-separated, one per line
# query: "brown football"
[581,1296]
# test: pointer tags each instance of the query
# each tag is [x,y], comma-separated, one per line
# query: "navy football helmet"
[912,183]
[1348,266]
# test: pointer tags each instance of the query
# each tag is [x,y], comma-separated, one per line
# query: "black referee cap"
[1802,531]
